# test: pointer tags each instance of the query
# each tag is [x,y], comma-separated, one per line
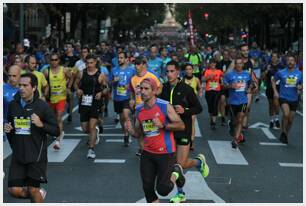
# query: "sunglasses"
[54,60]
[170,71]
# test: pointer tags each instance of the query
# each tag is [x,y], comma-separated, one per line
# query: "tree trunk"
[83,27]
[98,28]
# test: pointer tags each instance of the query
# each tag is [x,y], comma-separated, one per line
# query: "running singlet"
[57,86]
[158,141]
[8,96]
[288,82]
[135,85]
[192,82]
[243,79]
[120,88]
[213,84]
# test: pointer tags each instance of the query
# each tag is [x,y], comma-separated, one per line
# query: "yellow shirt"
[135,82]
[57,86]
[193,83]
[42,82]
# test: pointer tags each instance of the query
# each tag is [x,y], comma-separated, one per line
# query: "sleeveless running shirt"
[158,141]
[57,86]
[192,82]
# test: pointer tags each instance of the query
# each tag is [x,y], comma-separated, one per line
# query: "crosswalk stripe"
[101,135]
[109,161]
[197,129]
[283,164]
[272,144]
[224,154]
[7,151]
[67,146]
[268,133]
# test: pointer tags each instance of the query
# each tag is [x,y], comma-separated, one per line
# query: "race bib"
[22,126]
[87,100]
[241,86]
[291,81]
[56,90]
[213,85]
[149,129]
[121,91]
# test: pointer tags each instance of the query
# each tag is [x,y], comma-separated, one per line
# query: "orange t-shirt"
[214,83]
[135,85]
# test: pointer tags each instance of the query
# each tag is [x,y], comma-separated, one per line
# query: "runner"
[154,62]
[155,121]
[135,100]
[120,78]
[212,77]
[31,119]
[57,77]
[291,81]
[194,82]
[271,70]
[186,104]
[238,82]
[89,89]
[195,58]
[42,87]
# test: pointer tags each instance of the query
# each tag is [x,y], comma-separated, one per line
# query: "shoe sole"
[206,167]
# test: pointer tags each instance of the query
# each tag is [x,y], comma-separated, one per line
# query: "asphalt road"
[258,172]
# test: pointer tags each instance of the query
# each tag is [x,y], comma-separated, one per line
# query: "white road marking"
[299,113]
[78,128]
[259,125]
[109,161]
[117,140]
[118,126]
[7,151]
[225,154]
[67,146]
[195,189]
[284,164]
[66,115]
[272,144]
[268,133]
[197,129]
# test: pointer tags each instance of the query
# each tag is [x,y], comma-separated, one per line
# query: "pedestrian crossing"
[221,150]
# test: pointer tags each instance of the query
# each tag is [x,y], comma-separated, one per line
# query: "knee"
[15,191]
[33,190]
[286,116]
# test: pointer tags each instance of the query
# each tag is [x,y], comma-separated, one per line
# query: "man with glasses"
[186,104]
[57,77]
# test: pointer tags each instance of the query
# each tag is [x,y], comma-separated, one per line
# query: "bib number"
[149,129]
[121,91]
[87,100]
[291,82]
[22,126]
[213,85]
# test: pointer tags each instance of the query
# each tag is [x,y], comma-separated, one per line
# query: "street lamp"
[205,15]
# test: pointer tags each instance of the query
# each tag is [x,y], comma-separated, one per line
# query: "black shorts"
[30,174]
[292,105]
[87,112]
[120,105]
[270,92]
[235,109]
[183,140]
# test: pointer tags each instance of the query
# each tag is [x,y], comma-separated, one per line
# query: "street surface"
[262,170]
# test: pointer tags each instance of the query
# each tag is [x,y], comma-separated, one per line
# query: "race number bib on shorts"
[22,126]
[291,81]
[149,129]
[87,100]
[213,85]
[121,91]
[241,86]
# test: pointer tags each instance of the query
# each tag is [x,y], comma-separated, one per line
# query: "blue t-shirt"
[155,66]
[8,96]
[104,70]
[243,79]
[288,82]
[120,88]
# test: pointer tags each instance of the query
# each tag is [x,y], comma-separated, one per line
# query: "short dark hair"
[175,63]
[27,59]
[33,78]
[91,56]
[87,48]
[188,64]
[124,53]
[140,60]
[242,45]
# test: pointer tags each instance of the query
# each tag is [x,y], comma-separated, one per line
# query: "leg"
[238,125]
[35,194]
[193,132]
[246,116]
[19,192]
[290,121]
[92,132]
[285,119]
[182,157]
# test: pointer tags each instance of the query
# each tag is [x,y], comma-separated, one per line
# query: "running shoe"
[69,118]
[91,154]
[98,138]
[126,141]
[43,193]
[178,172]
[234,144]
[204,169]
[277,124]
[138,153]
[178,198]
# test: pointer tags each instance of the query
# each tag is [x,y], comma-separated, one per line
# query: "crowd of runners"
[155,90]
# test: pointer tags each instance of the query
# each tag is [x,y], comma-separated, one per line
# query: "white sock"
[276,117]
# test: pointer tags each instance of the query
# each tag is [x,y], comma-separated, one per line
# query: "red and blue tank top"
[158,141]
